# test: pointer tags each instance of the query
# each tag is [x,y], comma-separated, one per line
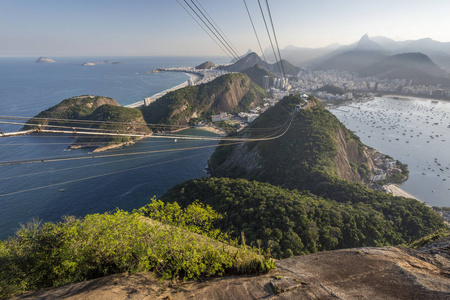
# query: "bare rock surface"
[362,273]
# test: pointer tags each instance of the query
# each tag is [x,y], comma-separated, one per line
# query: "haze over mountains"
[439,52]
[251,59]
[422,61]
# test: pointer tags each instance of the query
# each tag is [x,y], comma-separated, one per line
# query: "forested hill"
[294,223]
[227,93]
[316,146]
[99,113]
[318,155]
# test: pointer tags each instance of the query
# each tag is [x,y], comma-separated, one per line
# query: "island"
[45,60]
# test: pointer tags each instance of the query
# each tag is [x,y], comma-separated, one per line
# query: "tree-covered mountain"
[227,93]
[84,113]
[316,142]
[314,152]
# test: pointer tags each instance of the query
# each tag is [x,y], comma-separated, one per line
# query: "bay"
[412,130]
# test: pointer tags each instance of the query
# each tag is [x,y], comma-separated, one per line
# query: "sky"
[164,28]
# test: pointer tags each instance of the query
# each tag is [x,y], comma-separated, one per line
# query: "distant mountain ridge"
[369,58]
[439,52]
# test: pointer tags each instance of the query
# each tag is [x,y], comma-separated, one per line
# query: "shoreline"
[395,190]
[212,129]
[193,77]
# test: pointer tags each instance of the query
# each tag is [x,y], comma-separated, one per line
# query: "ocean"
[129,177]
[412,130]
[126,178]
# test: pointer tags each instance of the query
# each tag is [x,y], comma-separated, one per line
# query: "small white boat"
[62,190]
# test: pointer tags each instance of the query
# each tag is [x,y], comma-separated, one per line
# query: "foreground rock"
[362,273]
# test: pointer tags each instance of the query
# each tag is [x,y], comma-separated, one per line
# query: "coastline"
[212,129]
[193,77]
[397,191]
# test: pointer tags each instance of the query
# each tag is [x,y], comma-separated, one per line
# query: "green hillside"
[227,93]
[317,146]
[94,111]
[318,154]
[290,222]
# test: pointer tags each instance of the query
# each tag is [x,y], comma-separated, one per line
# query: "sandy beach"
[212,129]
[396,191]
[193,77]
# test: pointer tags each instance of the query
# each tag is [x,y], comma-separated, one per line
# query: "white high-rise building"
[266,80]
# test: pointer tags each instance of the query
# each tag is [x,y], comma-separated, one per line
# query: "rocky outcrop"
[361,273]
[45,60]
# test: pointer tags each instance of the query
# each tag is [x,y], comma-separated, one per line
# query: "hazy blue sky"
[162,27]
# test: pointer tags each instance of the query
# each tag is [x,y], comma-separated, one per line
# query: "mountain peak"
[366,44]
[364,37]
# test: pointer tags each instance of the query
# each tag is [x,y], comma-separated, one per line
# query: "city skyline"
[157,27]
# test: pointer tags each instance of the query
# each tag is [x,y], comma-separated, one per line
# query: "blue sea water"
[412,130]
[127,180]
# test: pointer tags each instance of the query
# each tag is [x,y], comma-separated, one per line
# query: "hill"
[292,222]
[98,113]
[205,65]
[318,154]
[289,68]
[315,142]
[256,73]
[253,59]
[411,66]
[227,93]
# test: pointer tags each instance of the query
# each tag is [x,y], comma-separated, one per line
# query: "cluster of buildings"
[311,81]
[278,83]
[384,166]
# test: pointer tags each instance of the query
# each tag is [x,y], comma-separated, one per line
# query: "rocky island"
[45,60]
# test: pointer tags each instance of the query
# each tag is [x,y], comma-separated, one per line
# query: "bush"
[73,250]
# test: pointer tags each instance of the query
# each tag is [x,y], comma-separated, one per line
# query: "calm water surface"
[414,131]
[87,185]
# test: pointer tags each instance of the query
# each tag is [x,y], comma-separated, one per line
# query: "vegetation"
[332,89]
[293,223]
[219,95]
[126,120]
[92,108]
[292,161]
[305,158]
[73,108]
[433,237]
[54,254]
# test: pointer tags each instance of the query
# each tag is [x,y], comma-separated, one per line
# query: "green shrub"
[73,250]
